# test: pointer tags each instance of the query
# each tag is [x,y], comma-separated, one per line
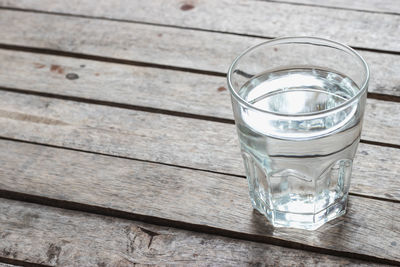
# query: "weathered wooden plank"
[384,6]
[205,201]
[58,237]
[151,87]
[139,86]
[362,29]
[168,139]
[156,45]
[8,265]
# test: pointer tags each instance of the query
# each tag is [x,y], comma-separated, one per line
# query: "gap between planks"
[343,5]
[83,202]
[169,48]
[132,158]
[121,105]
[132,242]
[171,165]
[8,262]
[378,96]
[151,110]
[361,48]
[198,228]
[176,26]
[156,137]
[46,51]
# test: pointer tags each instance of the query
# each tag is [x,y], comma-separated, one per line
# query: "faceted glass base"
[299,193]
[307,221]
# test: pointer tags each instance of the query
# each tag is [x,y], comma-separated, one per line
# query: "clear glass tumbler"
[298,104]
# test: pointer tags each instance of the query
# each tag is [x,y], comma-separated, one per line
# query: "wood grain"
[360,29]
[56,237]
[155,137]
[181,197]
[132,85]
[169,90]
[159,138]
[152,191]
[153,44]
[378,6]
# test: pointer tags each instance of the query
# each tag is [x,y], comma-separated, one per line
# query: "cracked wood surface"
[59,237]
[180,197]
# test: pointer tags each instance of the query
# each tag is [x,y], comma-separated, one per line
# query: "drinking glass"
[298,104]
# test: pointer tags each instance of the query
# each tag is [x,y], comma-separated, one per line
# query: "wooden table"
[117,141]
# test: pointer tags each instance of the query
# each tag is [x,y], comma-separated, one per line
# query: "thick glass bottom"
[307,221]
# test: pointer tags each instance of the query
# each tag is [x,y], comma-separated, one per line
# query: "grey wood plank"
[139,86]
[59,237]
[175,91]
[270,19]
[198,50]
[155,137]
[384,6]
[188,198]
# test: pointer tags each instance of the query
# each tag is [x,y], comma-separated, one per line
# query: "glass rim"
[303,40]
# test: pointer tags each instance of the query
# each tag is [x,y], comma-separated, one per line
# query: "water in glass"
[299,169]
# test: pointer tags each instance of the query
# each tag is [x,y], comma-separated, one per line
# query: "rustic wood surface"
[8,265]
[155,88]
[58,237]
[118,111]
[156,45]
[368,30]
[147,190]
[160,138]
[376,6]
